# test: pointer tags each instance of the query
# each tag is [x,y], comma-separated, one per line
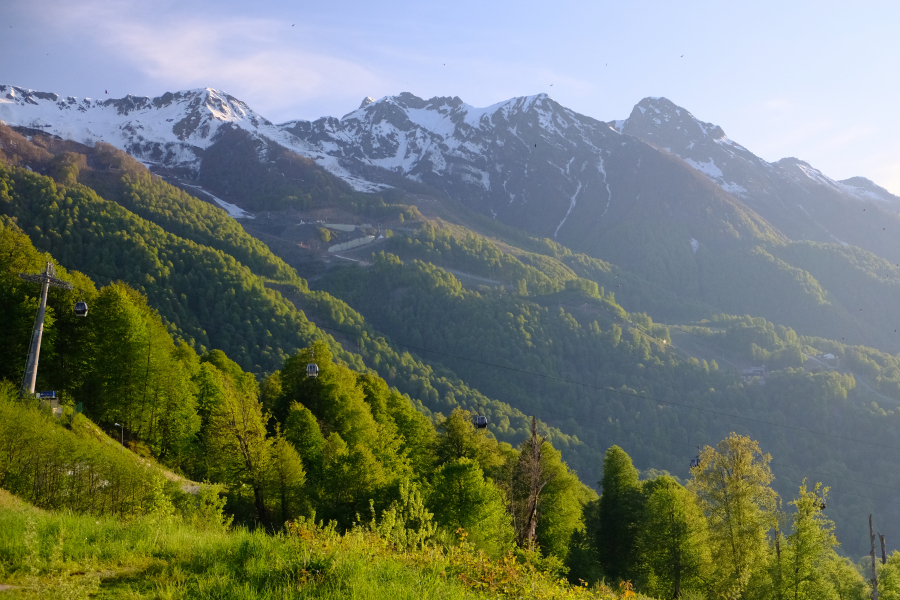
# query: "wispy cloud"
[270,64]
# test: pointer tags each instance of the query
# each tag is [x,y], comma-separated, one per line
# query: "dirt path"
[475,277]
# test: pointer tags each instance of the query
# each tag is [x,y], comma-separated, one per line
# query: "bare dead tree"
[528,483]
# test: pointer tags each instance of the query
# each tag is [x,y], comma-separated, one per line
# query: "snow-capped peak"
[189,116]
[865,189]
[171,130]
[654,115]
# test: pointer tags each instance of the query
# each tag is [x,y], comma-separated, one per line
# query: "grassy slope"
[62,555]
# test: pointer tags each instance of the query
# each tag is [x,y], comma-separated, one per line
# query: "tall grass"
[67,555]
[69,463]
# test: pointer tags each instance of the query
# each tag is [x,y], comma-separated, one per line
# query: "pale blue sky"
[815,80]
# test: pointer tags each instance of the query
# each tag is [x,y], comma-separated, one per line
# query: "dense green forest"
[243,308]
[291,448]
[586,365]
[193,322]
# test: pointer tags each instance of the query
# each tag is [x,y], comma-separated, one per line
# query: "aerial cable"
[590,386]
[627,393]
[643,434]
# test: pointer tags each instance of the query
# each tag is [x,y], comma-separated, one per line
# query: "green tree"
[672,540]
[582,553]
[458,438]
[236,435]
[562,502]
[462,497]
[802,566]
[889,578]
[732,489]
[302,430]
[351,476]
[287,477]
[621,506]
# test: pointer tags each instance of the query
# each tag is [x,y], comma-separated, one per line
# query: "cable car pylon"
[46,279]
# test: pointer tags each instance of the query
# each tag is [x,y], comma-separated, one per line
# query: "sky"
[813,80]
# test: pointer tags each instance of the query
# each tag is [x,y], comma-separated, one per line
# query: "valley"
[612,279]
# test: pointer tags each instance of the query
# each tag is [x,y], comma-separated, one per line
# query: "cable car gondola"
[480,421]
[312,369]
[695,462]
[81,308]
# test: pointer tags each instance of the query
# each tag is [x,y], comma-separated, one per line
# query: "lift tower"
[47,278]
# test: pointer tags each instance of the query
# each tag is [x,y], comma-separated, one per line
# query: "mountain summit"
[528,161]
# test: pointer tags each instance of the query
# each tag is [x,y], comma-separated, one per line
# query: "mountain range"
[541,236]
[661,194]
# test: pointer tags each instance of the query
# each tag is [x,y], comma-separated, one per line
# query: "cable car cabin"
[312,370]
[81,309]
[480,422]
[695,462]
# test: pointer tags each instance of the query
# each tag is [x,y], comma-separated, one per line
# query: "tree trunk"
[530,471]
[874,574]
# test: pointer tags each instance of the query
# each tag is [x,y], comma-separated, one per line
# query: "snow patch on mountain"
[170,130]
[234,211]
[602,169]
[707,167]
[568,212]
[865,189]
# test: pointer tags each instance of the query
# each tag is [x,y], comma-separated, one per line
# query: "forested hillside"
[204,294]
[546,332]
[562,347]
[499,520]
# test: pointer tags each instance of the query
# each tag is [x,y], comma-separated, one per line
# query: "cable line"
[587,385]
[641,433]
[626,393]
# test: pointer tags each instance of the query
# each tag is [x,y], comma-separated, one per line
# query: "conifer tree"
[672,540]
[807,549]
[620,511]
[286,479]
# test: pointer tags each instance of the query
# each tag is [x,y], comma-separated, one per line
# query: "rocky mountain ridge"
[172,130]
[527,161]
